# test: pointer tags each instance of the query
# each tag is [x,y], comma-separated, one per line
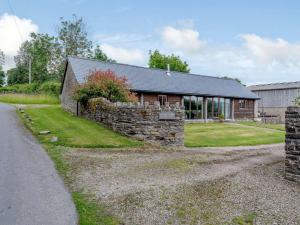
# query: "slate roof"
[275,86]
[144,79]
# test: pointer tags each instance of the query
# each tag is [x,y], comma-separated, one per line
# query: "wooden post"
[205,108]
[232,109]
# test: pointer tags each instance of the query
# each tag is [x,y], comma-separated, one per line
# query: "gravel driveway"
[31,192]
[190,186]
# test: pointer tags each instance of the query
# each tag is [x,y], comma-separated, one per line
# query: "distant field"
[29,99]
[224,134]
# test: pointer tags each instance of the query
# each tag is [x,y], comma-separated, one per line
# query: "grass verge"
[29,99]
[224,134]
[264,125]
[73,131]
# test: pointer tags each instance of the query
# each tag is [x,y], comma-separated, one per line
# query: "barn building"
[276,97]
[204,97]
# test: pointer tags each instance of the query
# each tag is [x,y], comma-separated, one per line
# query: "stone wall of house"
[152,123]
[67,101]
[292,143]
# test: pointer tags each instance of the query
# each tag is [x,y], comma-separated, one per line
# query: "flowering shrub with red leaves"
[104,84]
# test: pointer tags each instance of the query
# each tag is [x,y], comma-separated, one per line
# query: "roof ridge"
[124,64]
[276,83]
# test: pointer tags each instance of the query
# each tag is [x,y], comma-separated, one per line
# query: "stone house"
[204,97]
[276,97]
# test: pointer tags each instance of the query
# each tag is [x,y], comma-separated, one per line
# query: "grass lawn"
[266,125]
[73,131]
[28,99]
[225,134]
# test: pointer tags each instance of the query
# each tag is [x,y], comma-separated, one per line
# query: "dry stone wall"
[292,143]
[152,123]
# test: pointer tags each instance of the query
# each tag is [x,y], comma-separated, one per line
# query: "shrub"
[49,87]
[297,101]
[104,84]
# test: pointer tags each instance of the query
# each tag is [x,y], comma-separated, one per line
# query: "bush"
[297,101]
[49,87]
[104,84]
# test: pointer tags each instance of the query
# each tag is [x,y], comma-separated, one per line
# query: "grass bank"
[74,132]
[225,134]
[29,99]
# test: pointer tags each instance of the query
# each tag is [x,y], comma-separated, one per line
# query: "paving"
[31,191]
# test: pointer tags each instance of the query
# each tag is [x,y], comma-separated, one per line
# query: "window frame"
[162,96]
[242,103]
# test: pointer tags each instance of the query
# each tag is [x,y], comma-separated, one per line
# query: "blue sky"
[256,41]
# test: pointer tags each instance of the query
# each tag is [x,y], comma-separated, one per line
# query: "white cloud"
[122,55]
[13,31]
[182,39]
[272,51]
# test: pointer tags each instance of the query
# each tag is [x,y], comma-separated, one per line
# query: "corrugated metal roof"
[275,86]
[156,80]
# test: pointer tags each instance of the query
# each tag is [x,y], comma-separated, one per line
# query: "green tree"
[158,60]
[18,75]
[45,54]
[74,38]
[100,55]
[297,101]
[231,78]
[2,73]
[2,77]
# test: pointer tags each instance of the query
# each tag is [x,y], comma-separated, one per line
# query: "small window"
[162,99]
[242,104]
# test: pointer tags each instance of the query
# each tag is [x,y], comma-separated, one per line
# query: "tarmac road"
[31,191]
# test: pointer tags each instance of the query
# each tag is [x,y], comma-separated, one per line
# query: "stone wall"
[66,97]
[292,143]
[143,122]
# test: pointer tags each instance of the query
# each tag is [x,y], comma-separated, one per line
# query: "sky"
[256,41]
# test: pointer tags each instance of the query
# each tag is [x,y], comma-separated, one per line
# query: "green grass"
[245,220]
[73,131]
[90,212]
[265,125]
[224,134]
[29,99]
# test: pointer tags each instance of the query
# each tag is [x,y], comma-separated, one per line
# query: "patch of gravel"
[189,187]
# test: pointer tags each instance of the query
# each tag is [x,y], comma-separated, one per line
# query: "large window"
[227,109]
[193,107]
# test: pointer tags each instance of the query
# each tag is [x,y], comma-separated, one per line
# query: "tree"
[73,37]
[231,78]
[100,55]
[18,75]
[2,58]
[2,73]
[2,77]
[297,101]
[158,60]
[45,54]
